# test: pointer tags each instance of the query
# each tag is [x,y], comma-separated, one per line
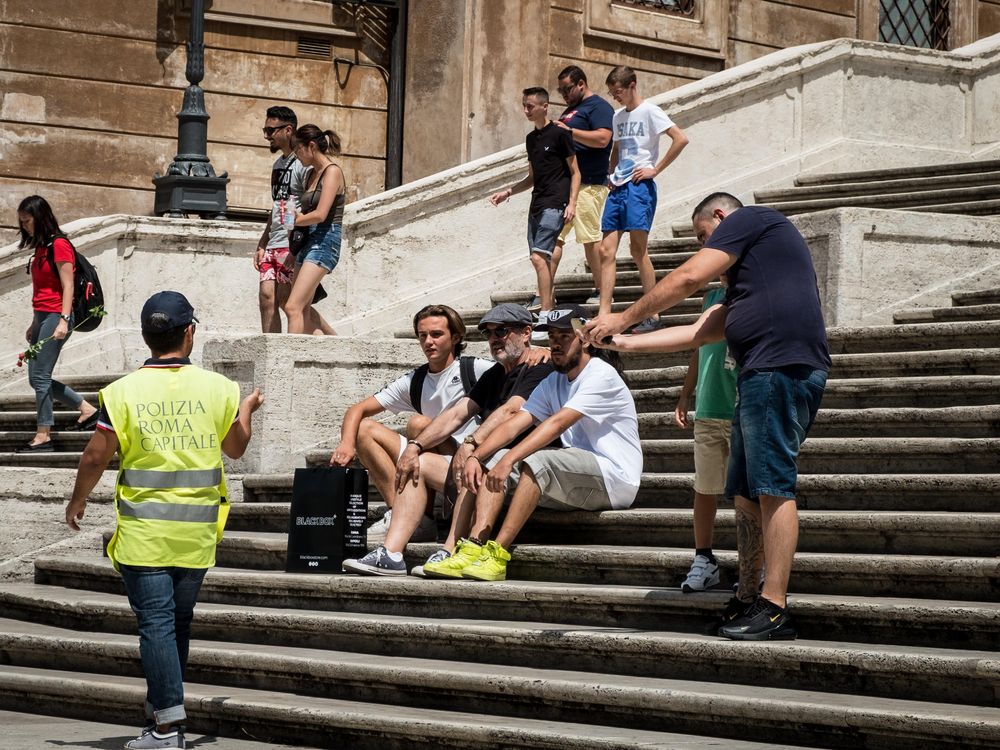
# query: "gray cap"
[507,313]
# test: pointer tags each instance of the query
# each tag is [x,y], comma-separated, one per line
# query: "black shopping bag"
[326,522]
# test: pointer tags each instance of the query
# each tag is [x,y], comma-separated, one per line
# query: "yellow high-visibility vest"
[170,498]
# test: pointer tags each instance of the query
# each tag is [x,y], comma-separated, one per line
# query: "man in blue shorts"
[634,164]
[772,320]
[554,179]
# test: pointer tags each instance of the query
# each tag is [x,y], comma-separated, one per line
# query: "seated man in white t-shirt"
[441,332]
[586,403]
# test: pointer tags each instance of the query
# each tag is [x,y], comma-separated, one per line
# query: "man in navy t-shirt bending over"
[772,320]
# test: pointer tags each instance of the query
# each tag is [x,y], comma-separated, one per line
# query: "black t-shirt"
[774,315]
[548,148]
[496,386]
[593,113]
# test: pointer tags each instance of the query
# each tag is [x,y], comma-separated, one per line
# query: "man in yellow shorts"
[588,119]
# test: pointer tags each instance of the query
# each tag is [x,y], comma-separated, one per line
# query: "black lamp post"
[190,185]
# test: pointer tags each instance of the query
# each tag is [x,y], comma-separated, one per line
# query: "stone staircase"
[591,644]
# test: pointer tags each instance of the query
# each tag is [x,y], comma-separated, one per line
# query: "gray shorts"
[569,478]
[543,230]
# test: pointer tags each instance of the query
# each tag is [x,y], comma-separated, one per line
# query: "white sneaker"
[441,554]
[594,298]
[376,532]
[703,575]
[647,326]
[536,304]
[153,740]
[543,335]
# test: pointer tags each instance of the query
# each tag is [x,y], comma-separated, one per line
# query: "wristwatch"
[471,440]
[65,317]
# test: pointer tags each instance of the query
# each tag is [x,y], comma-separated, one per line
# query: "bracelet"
[420,448]
[479,460]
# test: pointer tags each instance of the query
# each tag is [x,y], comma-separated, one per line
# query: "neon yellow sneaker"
[491,565]
[465,554]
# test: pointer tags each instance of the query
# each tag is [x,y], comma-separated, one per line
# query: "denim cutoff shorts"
[543,230]
[322,247]
[774,411]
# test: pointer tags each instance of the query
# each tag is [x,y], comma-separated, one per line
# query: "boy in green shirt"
[711,376]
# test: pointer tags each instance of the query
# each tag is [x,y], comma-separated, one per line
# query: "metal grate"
[682,7]
[916,23]
[315,48]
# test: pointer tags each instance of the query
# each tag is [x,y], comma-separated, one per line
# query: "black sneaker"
[763,621]
[734,609]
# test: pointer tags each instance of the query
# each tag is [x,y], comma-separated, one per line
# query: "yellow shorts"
[711,455]
[589,208]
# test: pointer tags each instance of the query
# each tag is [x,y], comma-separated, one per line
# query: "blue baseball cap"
[165,311]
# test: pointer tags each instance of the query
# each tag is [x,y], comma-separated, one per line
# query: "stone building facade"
[89,89]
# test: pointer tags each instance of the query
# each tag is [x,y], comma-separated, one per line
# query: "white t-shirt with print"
[288,181]
[441,390]
[637,134]
[609,428]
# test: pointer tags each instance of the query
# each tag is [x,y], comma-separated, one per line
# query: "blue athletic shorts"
[774,411]
[630,207]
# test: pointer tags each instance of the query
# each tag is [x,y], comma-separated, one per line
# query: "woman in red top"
[51,267]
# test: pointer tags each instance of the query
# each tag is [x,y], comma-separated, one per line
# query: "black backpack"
[467,366]
[87,292]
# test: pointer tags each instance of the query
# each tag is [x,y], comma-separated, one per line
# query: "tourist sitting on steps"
[587,405]
[498,395]
[427,390]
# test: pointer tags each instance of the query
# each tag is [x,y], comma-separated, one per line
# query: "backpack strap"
[51,252]
[467,366]
[417,386]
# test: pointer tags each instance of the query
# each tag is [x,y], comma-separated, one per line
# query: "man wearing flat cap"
[497,395]
[169,422]
[587,405]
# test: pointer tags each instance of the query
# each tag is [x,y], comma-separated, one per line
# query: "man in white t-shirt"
[447,377]
[635,162]
[586,403]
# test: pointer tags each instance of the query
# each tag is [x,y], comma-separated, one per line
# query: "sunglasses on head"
[270,130]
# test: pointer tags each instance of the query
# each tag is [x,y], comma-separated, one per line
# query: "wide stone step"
[966,578]
[878,175]
[957,421]
[937,198]
[914,337]
[857,619]
[918,492]
[877,532]
[936,314]
[861,393]
[323,722]
[26,401]
[980,297]
[63,442]
[857,455]
[61,459]
[624,296]
[535,692]
[848,190]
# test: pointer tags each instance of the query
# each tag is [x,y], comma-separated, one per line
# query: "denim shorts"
[774,411]
[543,230]
[322,247]
[630,207]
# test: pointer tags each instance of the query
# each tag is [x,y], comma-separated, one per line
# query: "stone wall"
[88,97]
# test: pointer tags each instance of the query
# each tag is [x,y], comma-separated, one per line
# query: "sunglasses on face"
[270,131]
[498,332]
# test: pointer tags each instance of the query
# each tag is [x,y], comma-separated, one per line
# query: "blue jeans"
[40,369]
[163,600]
[774,411]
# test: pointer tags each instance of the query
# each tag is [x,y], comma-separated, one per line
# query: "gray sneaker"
[376,563]
[647,326]
[704,574]
[594,298]
[150,739]
[441,554]
[535,305]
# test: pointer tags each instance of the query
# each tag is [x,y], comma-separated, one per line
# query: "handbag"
[326,521]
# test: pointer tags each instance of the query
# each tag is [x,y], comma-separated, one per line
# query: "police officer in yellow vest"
[169,422]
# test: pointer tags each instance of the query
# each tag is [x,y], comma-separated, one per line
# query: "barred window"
[682,7]
[916,23]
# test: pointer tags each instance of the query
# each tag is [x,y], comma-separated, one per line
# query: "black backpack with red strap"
[87,292]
